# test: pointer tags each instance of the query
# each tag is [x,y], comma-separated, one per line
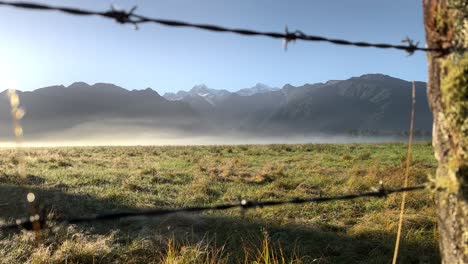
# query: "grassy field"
[86,180]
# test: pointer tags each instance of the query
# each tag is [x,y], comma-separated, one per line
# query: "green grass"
[86,180]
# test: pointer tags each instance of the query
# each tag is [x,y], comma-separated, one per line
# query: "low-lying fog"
[111,134]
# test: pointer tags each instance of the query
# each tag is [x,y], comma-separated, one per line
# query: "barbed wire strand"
[407,170]
[27,223]
[129,17]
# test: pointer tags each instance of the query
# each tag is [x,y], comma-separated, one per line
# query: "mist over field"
[121,133]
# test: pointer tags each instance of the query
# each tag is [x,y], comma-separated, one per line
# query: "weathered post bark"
[446,26]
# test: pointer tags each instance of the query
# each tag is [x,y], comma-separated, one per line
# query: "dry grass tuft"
[267,174]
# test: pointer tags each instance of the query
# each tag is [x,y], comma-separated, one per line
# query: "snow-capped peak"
[258,88]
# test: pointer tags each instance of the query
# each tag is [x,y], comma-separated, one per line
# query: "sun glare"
[7,80]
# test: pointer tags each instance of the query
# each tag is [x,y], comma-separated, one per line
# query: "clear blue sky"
[39,49]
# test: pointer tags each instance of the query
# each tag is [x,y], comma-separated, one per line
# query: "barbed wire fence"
[130,17]
[381,191]
[38,221]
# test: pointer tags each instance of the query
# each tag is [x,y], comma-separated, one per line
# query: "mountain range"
[374,103]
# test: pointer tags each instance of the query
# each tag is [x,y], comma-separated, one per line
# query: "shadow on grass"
[235,233]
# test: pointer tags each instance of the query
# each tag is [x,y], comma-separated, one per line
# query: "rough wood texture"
[446,26]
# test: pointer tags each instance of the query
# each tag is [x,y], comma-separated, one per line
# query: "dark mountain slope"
[58,107]
[370,102]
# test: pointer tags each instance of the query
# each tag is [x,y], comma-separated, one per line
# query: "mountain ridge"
[371,102]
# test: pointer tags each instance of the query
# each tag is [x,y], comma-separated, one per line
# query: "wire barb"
[412,47]
[123,17]
[130,17]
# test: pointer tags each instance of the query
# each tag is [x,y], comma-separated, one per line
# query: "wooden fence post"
[446,26]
